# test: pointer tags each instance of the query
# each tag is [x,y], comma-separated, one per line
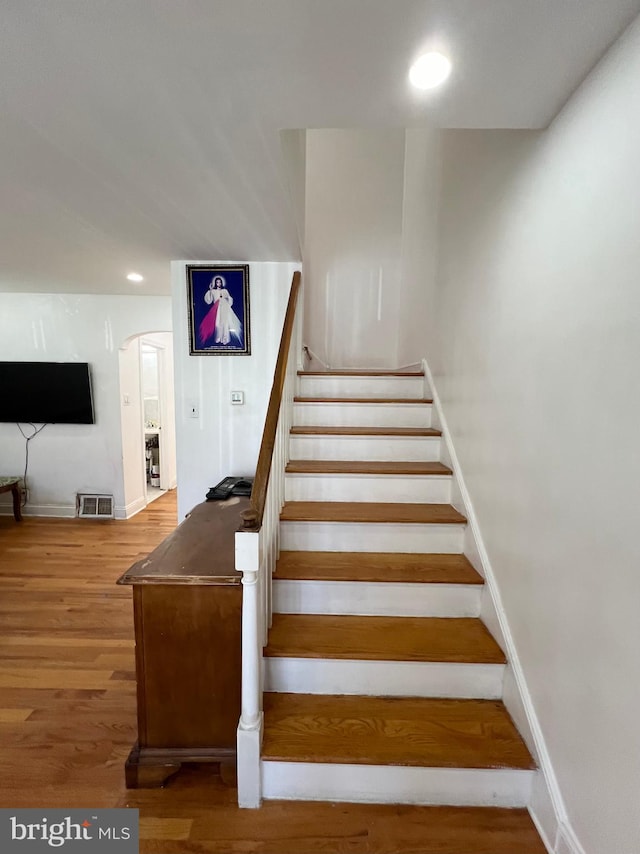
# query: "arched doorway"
[147,418]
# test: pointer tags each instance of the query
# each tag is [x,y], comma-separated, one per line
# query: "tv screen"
[46,392]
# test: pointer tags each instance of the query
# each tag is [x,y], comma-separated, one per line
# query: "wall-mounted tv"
[46,392]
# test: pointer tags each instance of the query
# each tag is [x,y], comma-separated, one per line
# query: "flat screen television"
[46,392]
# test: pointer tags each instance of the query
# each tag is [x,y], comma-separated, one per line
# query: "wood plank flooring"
[347,373]
[380,567]
[461,640]
[65,747]
[402,400]
[361,511]
[365,431]
[367,467]
[391,731]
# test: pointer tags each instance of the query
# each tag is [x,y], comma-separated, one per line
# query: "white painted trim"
[322,446]
[567,841]
[249,742]
[349,414]
[384,678]
[541,831]
[130,509]
[381,598]
[541,749]
[68,511]
[358,386]
[390,784]
[63,511]
[371,537]
[415,488]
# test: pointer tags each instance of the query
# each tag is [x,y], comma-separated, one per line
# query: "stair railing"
[258,546]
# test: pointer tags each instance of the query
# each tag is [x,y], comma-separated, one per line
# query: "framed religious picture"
[218,300]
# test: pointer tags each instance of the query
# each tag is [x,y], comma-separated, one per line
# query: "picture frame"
[218,305]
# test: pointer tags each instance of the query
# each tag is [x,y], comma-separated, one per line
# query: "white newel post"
[249,739]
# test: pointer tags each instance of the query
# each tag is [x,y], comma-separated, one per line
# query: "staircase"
[382,684]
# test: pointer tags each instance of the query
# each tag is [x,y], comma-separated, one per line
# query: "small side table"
[12,484]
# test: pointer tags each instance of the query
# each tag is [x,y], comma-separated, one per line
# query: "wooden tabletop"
[200,551]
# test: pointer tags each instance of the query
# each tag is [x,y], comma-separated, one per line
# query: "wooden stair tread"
[419,639]
[364,431]
[347,373]
[377,567]
[372,512]
[391,731]
[366,467]
[389,400]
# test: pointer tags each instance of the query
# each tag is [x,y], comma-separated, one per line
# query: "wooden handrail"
[252,518]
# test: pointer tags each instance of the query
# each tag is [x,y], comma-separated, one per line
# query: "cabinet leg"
[229,772]
[140,773]
[17,512]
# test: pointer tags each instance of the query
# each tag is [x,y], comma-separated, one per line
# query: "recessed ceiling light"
[135,277]
[429,71]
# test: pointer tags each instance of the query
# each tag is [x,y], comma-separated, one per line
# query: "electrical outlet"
[237,398]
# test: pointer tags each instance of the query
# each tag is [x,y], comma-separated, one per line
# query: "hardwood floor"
[67,672]
[366,467]
[392,731]
[361,511]
[348,373]
[376,400]
[67,716]
[365,431]
[379,567]
[460,640]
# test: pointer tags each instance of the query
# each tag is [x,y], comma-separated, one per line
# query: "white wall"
[225,439]
[294,153]
[420,219]
[539,372]
[353,237]
[66,459]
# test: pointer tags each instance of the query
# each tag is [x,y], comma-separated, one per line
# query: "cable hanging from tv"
[36,430]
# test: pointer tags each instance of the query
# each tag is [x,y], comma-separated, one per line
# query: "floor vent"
[95,506]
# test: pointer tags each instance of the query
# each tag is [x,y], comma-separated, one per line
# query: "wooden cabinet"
[187,600]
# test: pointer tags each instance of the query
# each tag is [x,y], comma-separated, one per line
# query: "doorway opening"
[148,418]
[155,450]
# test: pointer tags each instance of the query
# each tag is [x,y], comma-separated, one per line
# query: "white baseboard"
[130,509]
[547,806]
[63,511]
[567,842]
[68,511]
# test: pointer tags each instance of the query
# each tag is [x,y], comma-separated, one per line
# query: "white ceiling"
[137,131]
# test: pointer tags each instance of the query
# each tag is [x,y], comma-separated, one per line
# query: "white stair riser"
[331,386]
[362,414]
[371,537]
[384,678]
[393,448]
[392,784]
[420,489]
[392,599]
